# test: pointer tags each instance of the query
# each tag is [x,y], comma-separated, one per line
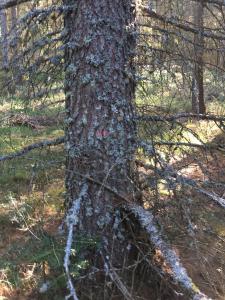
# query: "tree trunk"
[100,127]
[13,28]
[198,101]
[4,39]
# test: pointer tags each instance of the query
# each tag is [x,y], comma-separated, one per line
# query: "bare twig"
[110,271]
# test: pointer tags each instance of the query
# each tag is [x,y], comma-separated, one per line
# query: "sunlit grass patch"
[30,246]
[31,210]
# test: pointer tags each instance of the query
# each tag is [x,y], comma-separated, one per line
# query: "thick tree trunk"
[198,101]
[100,128]
[100,142]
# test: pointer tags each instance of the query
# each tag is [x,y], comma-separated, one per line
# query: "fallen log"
[34,122]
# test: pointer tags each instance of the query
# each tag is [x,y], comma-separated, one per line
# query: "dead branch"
[171,175]
[172,118]
[213,196]
[110,271]
[178,23]
[31,147]
[179,273]
[194,145]
[215,2]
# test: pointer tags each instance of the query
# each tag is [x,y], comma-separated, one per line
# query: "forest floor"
[196,225]
[31,211]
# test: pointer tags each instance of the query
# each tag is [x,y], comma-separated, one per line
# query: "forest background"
[179,114]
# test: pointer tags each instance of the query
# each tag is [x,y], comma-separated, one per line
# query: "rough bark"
[100,127]
[99,87]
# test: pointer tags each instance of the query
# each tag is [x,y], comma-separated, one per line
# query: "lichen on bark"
[99,88]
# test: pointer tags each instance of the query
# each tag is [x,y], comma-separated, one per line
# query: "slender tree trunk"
[198,101]
[13,17]
[13,27]
[4,39]
[100,128]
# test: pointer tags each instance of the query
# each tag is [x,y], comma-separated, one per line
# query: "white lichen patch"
[72,220]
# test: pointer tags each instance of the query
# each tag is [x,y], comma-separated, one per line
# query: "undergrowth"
[32,209]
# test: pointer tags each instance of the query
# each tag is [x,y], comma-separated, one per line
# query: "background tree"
[198,99]
[4,38]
